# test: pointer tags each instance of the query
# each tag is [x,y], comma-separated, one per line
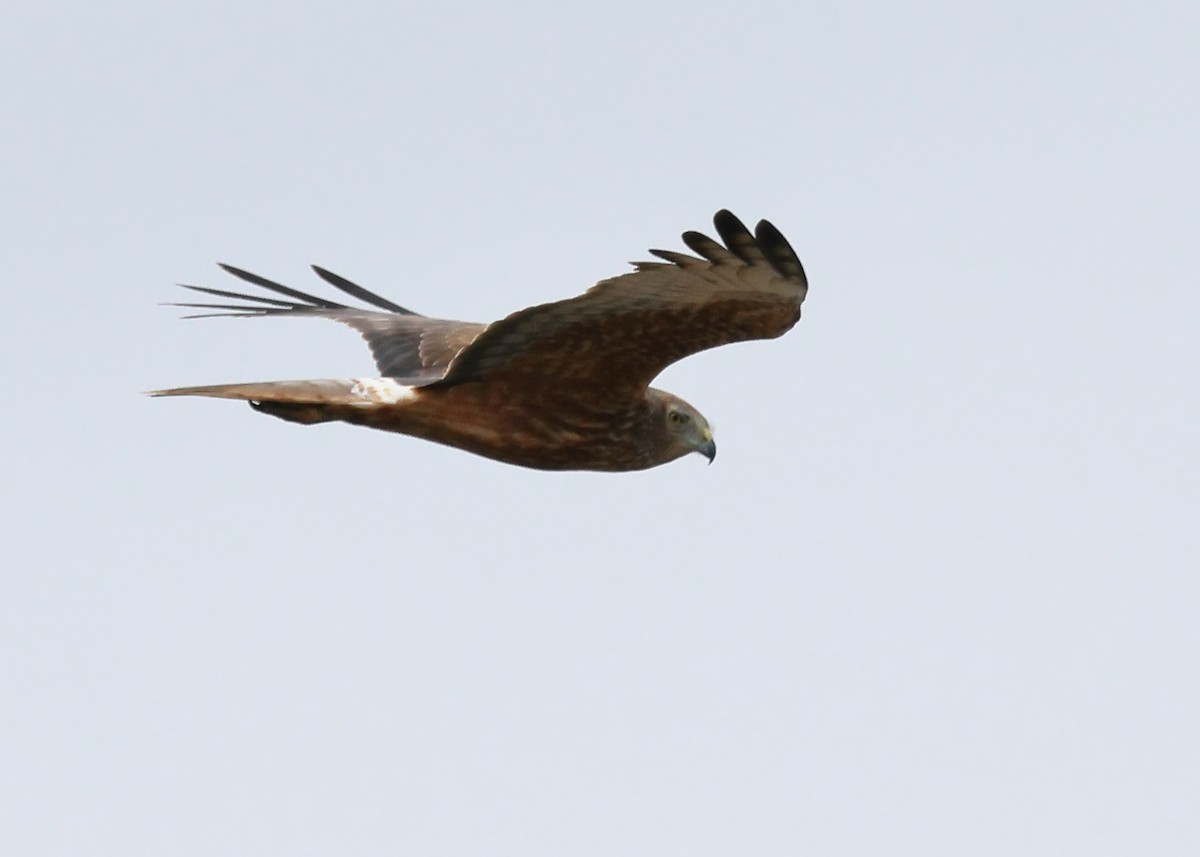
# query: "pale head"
[679,428]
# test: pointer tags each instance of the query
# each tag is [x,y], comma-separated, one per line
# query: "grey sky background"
[937,595]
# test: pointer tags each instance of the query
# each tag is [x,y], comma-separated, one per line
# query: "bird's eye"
[678,417]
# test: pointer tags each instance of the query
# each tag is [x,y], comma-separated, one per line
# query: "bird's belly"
[514,430]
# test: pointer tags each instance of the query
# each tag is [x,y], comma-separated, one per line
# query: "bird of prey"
[560,386]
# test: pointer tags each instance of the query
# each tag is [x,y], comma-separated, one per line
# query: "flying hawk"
[560,386]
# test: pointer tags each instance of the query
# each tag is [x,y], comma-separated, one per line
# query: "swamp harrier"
[561,386]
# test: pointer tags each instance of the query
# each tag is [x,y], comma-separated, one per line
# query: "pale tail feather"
[333,391]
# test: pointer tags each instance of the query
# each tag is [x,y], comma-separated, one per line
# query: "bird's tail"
[306,401]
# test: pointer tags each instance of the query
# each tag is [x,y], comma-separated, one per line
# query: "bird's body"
[561,386]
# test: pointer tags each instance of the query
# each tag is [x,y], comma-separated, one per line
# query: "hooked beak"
[708,450]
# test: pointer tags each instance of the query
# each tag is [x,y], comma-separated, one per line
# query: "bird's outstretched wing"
[610,342]
[404,344]
[605,345]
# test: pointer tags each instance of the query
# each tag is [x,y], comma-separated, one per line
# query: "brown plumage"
[560,386]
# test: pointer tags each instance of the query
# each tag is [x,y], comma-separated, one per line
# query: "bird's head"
[684,429]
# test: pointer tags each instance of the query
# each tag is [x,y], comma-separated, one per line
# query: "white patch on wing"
[381,391]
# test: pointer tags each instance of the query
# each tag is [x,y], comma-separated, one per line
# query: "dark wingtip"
[726,221]
[355,290]
[766,242]
[738,238]
[780,253]
[278,288]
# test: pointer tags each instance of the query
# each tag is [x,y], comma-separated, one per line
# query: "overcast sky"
[938,594]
